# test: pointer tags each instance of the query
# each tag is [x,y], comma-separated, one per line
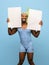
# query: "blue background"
[9,45]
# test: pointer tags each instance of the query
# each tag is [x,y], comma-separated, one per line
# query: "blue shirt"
[25,36]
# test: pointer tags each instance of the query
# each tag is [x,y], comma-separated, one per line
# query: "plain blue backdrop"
[9,45]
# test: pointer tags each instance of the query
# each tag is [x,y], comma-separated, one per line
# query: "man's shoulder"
[19,28]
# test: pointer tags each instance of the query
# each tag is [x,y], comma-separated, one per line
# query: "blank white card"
[14,14]
[34,17]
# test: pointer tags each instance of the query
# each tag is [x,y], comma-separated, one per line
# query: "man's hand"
[41,23]
[8,20]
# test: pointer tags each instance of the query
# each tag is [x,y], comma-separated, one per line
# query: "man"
[25,39]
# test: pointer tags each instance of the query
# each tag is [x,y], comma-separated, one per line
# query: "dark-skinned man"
[25,39]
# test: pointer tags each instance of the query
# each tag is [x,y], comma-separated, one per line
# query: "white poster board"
[34,17]
[14,15]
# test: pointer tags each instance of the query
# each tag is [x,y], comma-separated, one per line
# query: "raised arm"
[35,33]
[12,31]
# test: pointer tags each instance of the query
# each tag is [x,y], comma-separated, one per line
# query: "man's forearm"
[35,33]
[12,31]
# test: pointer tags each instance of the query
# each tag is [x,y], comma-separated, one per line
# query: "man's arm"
[12,31]
[35,33]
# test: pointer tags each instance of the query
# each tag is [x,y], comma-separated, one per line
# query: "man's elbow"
[9,34]
[37,35]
